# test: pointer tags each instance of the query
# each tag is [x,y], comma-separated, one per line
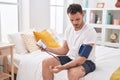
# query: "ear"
[83,14]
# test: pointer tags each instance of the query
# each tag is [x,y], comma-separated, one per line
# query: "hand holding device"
[41,44]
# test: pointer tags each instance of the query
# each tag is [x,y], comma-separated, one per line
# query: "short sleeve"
[91,36]
[66,33]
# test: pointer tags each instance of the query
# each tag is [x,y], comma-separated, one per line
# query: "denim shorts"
[89,66]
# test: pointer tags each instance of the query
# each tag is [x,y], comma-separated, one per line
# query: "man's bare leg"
[46,73]
[76,73]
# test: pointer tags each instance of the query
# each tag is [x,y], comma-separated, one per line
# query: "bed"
[28,65]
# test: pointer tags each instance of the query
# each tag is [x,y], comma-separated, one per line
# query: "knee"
[75,74]
[72,75]
[45,62]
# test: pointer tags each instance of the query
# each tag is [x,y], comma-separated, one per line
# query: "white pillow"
[16,39]
[29,42]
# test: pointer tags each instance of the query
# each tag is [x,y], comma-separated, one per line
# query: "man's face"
[76,20]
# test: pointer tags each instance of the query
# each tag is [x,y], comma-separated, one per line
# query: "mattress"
[106,63]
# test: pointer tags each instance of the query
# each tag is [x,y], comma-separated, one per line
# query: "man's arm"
[59,51]
[78,61]
[74,63]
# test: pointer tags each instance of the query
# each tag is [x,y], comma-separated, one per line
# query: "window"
[56,15]
[8,18]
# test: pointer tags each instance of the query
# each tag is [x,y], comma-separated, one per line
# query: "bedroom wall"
[24,16]
[34,14]
[39,14]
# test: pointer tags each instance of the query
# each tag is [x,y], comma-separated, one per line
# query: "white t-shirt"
[75,39]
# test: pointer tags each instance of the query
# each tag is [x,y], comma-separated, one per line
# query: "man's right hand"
[56,69]
[41,45]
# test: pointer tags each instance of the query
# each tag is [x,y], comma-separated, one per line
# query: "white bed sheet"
[30,67]
[18,58]
[107,61]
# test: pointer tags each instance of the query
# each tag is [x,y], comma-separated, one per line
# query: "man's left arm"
[84,52]
[76,62]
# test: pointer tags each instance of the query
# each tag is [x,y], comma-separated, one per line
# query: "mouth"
[75,25]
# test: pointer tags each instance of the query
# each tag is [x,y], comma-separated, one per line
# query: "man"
[69,59]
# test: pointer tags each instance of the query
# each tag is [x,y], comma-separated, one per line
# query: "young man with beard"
[72,57]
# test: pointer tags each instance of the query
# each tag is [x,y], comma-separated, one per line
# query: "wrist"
[64,67]
[46,49]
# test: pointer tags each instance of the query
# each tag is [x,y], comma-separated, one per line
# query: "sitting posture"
[77,53]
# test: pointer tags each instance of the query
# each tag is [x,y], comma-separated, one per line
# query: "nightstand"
[5,50]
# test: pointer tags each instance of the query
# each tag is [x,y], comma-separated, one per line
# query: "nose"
[74,22]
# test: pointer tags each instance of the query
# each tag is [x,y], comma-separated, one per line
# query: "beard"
[77,26]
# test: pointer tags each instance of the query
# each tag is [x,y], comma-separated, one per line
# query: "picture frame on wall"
[100,5]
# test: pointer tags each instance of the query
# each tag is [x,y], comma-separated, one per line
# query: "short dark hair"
[74,8]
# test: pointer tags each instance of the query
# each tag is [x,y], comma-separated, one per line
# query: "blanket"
[106,63]
[30,67]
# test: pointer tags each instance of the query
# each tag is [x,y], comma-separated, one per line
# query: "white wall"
[24,15]
[67,22]
[39,13]
[34,14]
